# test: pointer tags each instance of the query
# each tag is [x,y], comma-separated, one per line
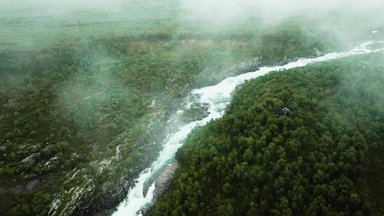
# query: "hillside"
[91,90]
[80,120]
[324,158]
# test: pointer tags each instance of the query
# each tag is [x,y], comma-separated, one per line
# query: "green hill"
[323,159]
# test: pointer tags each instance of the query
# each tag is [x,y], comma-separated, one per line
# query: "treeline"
[324,158]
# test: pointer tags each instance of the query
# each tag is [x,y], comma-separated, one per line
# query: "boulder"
[164,179]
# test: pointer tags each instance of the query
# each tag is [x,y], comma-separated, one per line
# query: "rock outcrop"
[163,180]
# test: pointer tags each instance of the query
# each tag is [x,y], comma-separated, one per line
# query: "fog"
[113,66]
[38,22]
[277,9]
[218,9]
[346,19]
[59,8]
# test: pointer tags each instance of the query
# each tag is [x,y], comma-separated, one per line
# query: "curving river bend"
[217,97]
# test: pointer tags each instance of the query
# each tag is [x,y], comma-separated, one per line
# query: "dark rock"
[51,164]
[31,159]
[114,193]
[104,201]
[164,179]
[18,190]
[284,111]
[75,156]
[33,184]
[3,148]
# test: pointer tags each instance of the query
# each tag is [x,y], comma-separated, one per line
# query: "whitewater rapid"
[217,97]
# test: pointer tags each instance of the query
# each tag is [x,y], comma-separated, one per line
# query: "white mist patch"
[217,97]
[223,12]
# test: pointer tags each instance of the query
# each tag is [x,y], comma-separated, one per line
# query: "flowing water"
[217,97]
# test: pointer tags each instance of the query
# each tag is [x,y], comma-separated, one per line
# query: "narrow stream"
[217,97]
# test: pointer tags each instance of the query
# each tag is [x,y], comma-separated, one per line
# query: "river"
[216,97]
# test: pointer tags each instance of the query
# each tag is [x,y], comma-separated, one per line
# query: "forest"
[322,158]
[87,89]
[81,119]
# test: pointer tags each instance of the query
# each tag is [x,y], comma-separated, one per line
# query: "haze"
[31,21]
